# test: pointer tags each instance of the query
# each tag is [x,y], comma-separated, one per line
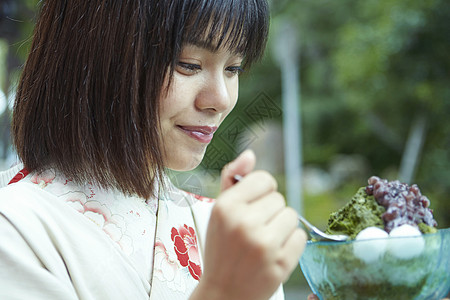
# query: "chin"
[183,165]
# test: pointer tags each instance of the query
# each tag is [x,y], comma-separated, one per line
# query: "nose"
[216,94]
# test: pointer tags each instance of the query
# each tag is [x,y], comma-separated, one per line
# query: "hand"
[253,242]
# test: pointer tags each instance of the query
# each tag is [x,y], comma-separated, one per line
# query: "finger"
[292,250]
[242,165]
[264,209]
[282,225]
[251,188]
[312,297]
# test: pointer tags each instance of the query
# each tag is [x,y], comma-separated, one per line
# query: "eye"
[234,70]
[188,68]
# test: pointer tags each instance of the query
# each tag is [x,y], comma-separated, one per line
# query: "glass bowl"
[401,268]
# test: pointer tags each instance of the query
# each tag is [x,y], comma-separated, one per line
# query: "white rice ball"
[370,244]
[406,242]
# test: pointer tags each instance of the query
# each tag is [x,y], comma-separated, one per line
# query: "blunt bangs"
[240,26]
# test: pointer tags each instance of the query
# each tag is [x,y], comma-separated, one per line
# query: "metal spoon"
[319,235]
[313,231]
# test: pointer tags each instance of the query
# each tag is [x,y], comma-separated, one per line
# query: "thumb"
[242,165]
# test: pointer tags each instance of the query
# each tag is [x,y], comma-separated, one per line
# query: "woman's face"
[203,91]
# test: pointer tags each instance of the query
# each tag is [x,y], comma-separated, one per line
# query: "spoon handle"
[308,225]
[237,178]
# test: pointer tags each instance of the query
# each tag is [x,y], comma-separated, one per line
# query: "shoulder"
[7,175]
[19,196]
[18,188]
[30,207]
[27,218]
[16,191]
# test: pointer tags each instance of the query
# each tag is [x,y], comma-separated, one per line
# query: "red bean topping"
[404,204]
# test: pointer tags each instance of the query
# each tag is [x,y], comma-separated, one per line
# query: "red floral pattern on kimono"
[43,179]
[202,198]
[185,245]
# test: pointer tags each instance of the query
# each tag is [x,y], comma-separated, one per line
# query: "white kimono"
[60,240]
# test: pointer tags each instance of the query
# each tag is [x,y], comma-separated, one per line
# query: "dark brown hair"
[87,102]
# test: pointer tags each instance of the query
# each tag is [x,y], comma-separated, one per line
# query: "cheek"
[164,101]
[167,102]
[233,90]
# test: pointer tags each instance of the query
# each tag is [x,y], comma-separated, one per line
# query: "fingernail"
[247,152]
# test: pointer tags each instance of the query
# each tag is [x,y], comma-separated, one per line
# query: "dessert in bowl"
[395,252]
[334,271]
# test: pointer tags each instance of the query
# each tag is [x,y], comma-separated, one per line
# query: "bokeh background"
[371,88]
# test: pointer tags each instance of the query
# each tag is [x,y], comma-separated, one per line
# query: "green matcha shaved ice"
[361,212]
[424,228]
[392,205]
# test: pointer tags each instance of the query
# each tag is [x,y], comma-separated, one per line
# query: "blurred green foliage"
[369,70]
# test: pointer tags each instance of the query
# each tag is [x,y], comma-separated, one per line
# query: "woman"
[112,94]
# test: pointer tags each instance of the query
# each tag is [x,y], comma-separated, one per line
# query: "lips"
[203,134]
